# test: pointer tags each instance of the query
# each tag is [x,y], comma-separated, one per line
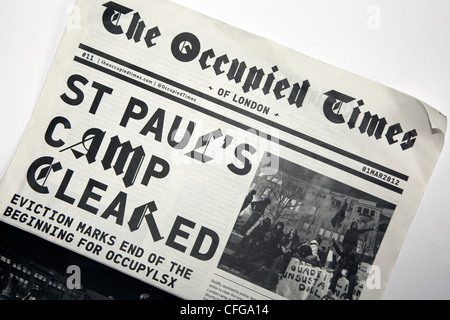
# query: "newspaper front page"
[210,163]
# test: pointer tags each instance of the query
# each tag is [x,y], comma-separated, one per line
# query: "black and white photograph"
[319,222]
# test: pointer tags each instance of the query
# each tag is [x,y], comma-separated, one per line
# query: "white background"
[404,44]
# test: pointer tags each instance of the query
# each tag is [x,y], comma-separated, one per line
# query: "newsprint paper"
[208,163]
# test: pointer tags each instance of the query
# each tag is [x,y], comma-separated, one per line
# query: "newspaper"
[210,163]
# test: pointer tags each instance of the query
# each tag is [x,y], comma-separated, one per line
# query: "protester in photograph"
[347,267]
[251,243]
[351,235]
[288,245]
[308,251]
[258,209]
[314,257]
[248,199]
[271,246]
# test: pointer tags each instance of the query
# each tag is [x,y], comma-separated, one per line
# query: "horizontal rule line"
[237,124]
[249,114]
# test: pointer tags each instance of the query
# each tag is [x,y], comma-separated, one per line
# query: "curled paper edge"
[437,120]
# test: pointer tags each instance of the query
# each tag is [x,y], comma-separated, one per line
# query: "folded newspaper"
[209,163]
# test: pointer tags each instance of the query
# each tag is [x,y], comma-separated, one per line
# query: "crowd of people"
[267,244]
[267,247]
